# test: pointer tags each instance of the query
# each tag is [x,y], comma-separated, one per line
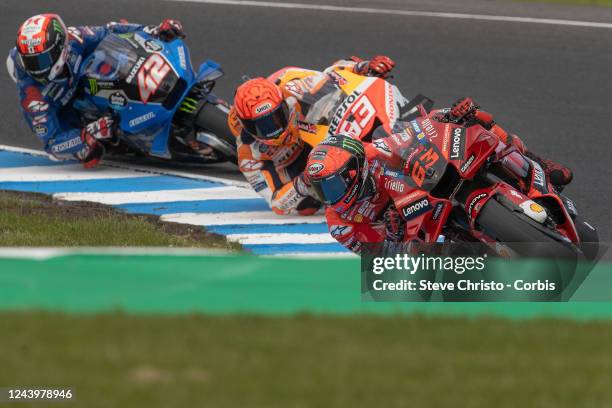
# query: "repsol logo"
[415,209]
[457,144]
[339,114]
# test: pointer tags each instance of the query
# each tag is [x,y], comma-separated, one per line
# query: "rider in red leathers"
[355,181]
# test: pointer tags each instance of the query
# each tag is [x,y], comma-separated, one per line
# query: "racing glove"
[395,225]
[379,66]
[303,186]
[466,108]
[169,30]
[92,137]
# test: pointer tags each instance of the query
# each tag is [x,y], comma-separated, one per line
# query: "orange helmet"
[264,113]
[42,45]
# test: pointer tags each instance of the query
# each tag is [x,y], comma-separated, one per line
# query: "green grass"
[34,220]
[116,360]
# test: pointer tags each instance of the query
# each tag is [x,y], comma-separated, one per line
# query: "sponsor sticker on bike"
[141,119]
[476,200]
[437,211]
[134,70]
[151,75]
[429,128]
[416,208]
[182,57]
[457,144]
[465,166]
[68,144]
[539,179]
[117,101]
[153,46]
[394,185]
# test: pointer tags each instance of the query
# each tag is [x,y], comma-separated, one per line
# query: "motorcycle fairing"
[140,80]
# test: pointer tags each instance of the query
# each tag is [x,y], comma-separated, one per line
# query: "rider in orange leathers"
[266,118]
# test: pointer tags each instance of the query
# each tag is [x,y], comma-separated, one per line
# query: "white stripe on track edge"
[162,196]
[150,169]
[281,238]
[412,13]
[69,172]
[240,218]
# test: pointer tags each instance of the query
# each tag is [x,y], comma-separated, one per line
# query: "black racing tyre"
[213,119]
[589,238]
[519,234]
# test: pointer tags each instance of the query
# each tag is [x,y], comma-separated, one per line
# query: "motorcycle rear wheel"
[213,119]
[511,229]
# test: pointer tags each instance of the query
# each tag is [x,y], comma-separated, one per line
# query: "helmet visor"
[270,126]
[342,183]
[39,65]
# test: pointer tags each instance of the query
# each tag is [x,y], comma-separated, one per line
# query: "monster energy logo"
[57,26]
[189,105]
[353,146]
[93,86]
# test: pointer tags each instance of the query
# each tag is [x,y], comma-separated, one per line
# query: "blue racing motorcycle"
[162,108]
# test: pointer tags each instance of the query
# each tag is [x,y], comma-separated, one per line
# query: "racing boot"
[559,175]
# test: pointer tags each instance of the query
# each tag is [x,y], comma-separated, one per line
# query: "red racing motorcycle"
[461,182]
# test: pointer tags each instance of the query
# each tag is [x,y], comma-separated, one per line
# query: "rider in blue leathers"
[46,65]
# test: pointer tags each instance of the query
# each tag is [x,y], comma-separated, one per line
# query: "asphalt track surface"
[551,84]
